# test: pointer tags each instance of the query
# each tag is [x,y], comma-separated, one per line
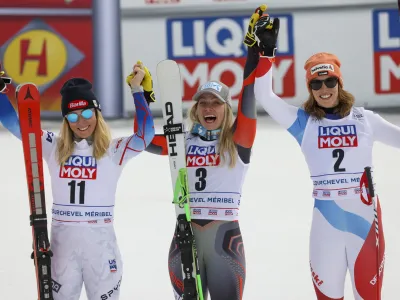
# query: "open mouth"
[210,119]
[326,96]
[84,128]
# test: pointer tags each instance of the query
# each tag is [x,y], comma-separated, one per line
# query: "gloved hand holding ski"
[147,82]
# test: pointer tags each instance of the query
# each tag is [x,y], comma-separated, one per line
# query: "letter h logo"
[24,56]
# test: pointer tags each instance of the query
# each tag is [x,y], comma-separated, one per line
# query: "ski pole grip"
[371,188]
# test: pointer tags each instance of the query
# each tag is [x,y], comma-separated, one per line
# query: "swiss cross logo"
[386,28]
[337,136]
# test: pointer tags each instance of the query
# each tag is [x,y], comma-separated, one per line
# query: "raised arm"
[246,120]
[159,143]
[290,117]
[144,133]
[126,148]
[282,112]
[383,131]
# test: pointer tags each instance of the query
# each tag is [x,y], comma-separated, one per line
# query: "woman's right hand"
[250,38]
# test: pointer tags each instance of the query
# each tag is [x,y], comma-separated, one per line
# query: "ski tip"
[30,90]
[168,63]
[23,84]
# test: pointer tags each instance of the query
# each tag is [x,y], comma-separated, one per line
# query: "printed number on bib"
[200,185]
[339,154]
[81,186]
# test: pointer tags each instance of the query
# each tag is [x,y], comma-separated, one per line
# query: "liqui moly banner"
[211,47]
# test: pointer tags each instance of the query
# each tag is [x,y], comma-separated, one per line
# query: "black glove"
[267,31]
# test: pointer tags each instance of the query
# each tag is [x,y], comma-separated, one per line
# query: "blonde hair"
[346,102]
[226,144]
[101,140]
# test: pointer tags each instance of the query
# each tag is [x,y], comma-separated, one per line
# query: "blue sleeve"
[126,148]
[145,132]
[299,125]
[8,116]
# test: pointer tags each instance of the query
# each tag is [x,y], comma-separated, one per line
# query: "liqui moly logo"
[337,136]
[77,104]
[211,48]
[386,35]
[202,156]
[79,167]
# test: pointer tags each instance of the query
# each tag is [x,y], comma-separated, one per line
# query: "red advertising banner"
[46,51]
[46,4]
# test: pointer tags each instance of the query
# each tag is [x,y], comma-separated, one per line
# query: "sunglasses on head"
[329,82]
[86,114]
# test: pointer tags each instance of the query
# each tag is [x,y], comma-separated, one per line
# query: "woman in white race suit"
[85,164]
[336,139]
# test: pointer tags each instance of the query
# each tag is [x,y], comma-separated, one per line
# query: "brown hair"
[346,102]
[225,142]
[101,140]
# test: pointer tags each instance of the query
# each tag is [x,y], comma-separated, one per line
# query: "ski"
[28,102]
[169,82]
